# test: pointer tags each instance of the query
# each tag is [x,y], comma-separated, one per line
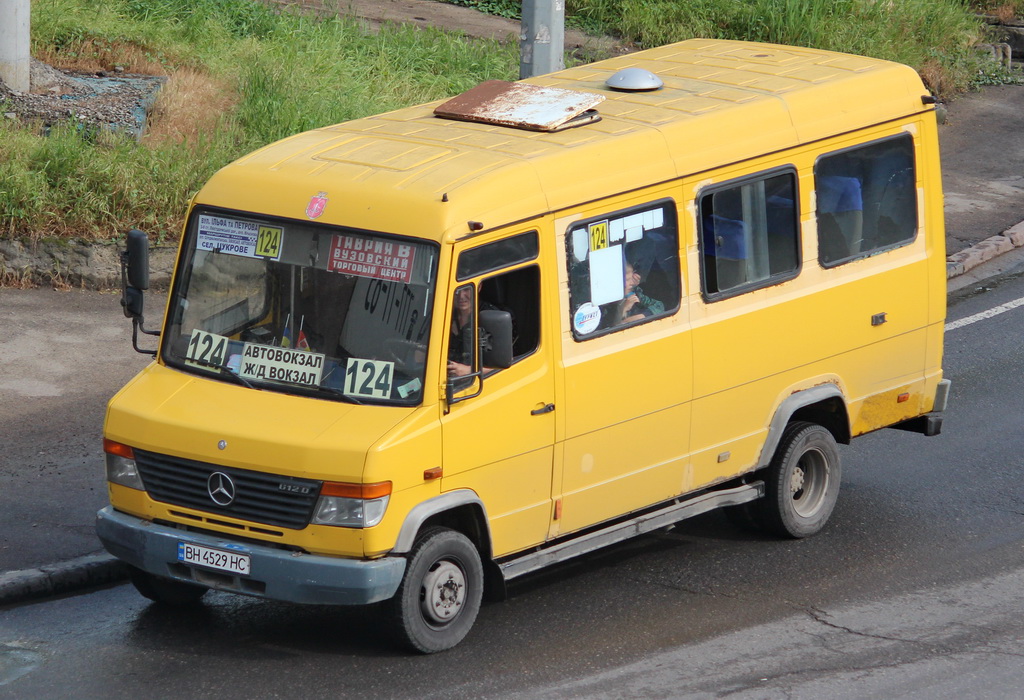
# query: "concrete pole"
[542,37]
[14,44]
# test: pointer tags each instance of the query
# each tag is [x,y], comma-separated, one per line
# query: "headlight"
[352,505]
[121,467]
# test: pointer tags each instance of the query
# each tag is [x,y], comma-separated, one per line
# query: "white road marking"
[994,311]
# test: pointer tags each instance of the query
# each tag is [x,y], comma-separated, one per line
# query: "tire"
[439,597]
[165,591]
[801,483]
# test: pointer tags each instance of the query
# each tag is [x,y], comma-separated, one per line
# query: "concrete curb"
[63,577]
[969,258]
[71,264]
[99,569]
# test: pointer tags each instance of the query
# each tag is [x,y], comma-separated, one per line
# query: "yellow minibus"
[414,356]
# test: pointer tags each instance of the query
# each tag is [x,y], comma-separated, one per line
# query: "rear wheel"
[802,482]
[439,597]
[165,590]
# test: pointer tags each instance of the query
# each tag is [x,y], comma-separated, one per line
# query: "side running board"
[623,530]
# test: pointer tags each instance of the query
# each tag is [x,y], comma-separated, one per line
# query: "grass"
[240,75]
[934,36]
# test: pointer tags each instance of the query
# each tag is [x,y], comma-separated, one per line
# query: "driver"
[460,339]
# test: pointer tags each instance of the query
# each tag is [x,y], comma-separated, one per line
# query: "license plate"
[219,559]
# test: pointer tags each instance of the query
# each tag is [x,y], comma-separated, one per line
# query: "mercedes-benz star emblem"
[221,488]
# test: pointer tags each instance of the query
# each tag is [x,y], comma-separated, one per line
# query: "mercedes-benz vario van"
[413,356]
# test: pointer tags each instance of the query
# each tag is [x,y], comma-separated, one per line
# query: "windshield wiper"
[224,372]
[342,394]
[338,392]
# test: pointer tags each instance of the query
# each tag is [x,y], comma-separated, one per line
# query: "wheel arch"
[462,511]
[823,404]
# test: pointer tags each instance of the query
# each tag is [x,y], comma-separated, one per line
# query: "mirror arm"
[139,323]
[450,388]
[136,327]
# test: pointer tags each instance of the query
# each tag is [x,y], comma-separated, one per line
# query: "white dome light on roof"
[634,80]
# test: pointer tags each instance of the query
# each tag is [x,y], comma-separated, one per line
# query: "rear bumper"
[929,424]
[276,574]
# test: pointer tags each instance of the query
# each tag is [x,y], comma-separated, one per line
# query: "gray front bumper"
[276,574]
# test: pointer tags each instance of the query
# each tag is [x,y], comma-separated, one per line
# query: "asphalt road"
[63,354]
[982,151]
[913,590]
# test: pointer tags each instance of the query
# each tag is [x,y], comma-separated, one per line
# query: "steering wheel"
[404,352]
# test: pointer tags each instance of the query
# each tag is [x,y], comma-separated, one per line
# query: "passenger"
[636,305]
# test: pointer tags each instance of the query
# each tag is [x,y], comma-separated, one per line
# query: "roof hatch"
[523,106]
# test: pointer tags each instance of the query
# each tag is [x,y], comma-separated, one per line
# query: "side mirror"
[496,338]
[134,280]
[132,300]
[137,254]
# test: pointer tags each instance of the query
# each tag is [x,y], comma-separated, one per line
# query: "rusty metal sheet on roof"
[523,106]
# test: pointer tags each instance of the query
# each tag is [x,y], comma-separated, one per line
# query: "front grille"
[270,499]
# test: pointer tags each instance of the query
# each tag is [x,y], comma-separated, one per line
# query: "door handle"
[546,408]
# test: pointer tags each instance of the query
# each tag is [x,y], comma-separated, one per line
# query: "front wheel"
[440,594]
[802,482]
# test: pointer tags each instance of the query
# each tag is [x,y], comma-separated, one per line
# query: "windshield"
[303,308]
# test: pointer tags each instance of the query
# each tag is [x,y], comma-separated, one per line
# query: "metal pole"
[542,37]
[14,44]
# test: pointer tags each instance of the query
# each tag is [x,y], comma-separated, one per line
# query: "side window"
[516,292]
[749,235]
[623,269]
[866,199]
[497,255]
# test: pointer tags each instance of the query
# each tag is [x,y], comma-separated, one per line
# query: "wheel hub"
[443,588]
[809,483]
[796,481]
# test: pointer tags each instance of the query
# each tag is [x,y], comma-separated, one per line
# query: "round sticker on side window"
[586,318]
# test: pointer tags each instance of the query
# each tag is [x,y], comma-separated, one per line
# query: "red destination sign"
[371,257]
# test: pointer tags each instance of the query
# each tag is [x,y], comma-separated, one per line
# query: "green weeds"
[265,74]
[934,36]
[77,183]
[284,73]
[346,75]
[502,8]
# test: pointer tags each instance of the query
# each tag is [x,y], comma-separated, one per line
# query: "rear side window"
[623,269]
[749,234]
[866,200]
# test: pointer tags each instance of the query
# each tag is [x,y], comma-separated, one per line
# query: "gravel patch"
[109,100]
